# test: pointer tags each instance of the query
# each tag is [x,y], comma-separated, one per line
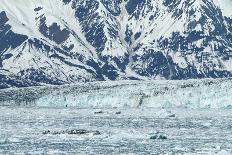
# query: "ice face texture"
[157,94]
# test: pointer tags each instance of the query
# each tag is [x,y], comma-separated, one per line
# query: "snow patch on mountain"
[225,6]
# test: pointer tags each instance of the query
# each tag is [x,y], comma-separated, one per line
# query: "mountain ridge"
[66,41]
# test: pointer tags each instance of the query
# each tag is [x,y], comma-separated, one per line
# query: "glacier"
[195,94]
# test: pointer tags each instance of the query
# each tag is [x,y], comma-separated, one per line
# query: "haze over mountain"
[67,41]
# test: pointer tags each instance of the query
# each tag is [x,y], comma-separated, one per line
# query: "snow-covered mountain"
[66,41]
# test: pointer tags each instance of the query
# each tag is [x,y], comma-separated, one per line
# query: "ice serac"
[66,41]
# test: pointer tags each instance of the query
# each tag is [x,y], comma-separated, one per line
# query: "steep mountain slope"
[65,41]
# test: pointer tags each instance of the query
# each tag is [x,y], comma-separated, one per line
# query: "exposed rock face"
[65,41]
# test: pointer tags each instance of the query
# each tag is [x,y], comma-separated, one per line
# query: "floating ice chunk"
[72,132]
[159,136]
[118,112]
[208,124]
[3,140]
[98,112]
[218,148]
[223,152]
[14,140]
[163,113]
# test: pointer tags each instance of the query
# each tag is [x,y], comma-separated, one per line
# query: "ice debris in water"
[223,152]
[163,113]
[13,140]
[72,132]
[207,124]
[98,112]
[118,112]
[159,136]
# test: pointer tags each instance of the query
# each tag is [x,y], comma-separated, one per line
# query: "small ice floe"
[207,124]
[13,140]
[159,136]
[163,113]
[72,132]
[223,152]
[118,112]
[218,148]
[98,112]
[3,140]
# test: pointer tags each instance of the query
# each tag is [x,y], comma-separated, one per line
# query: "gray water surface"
[190,131]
